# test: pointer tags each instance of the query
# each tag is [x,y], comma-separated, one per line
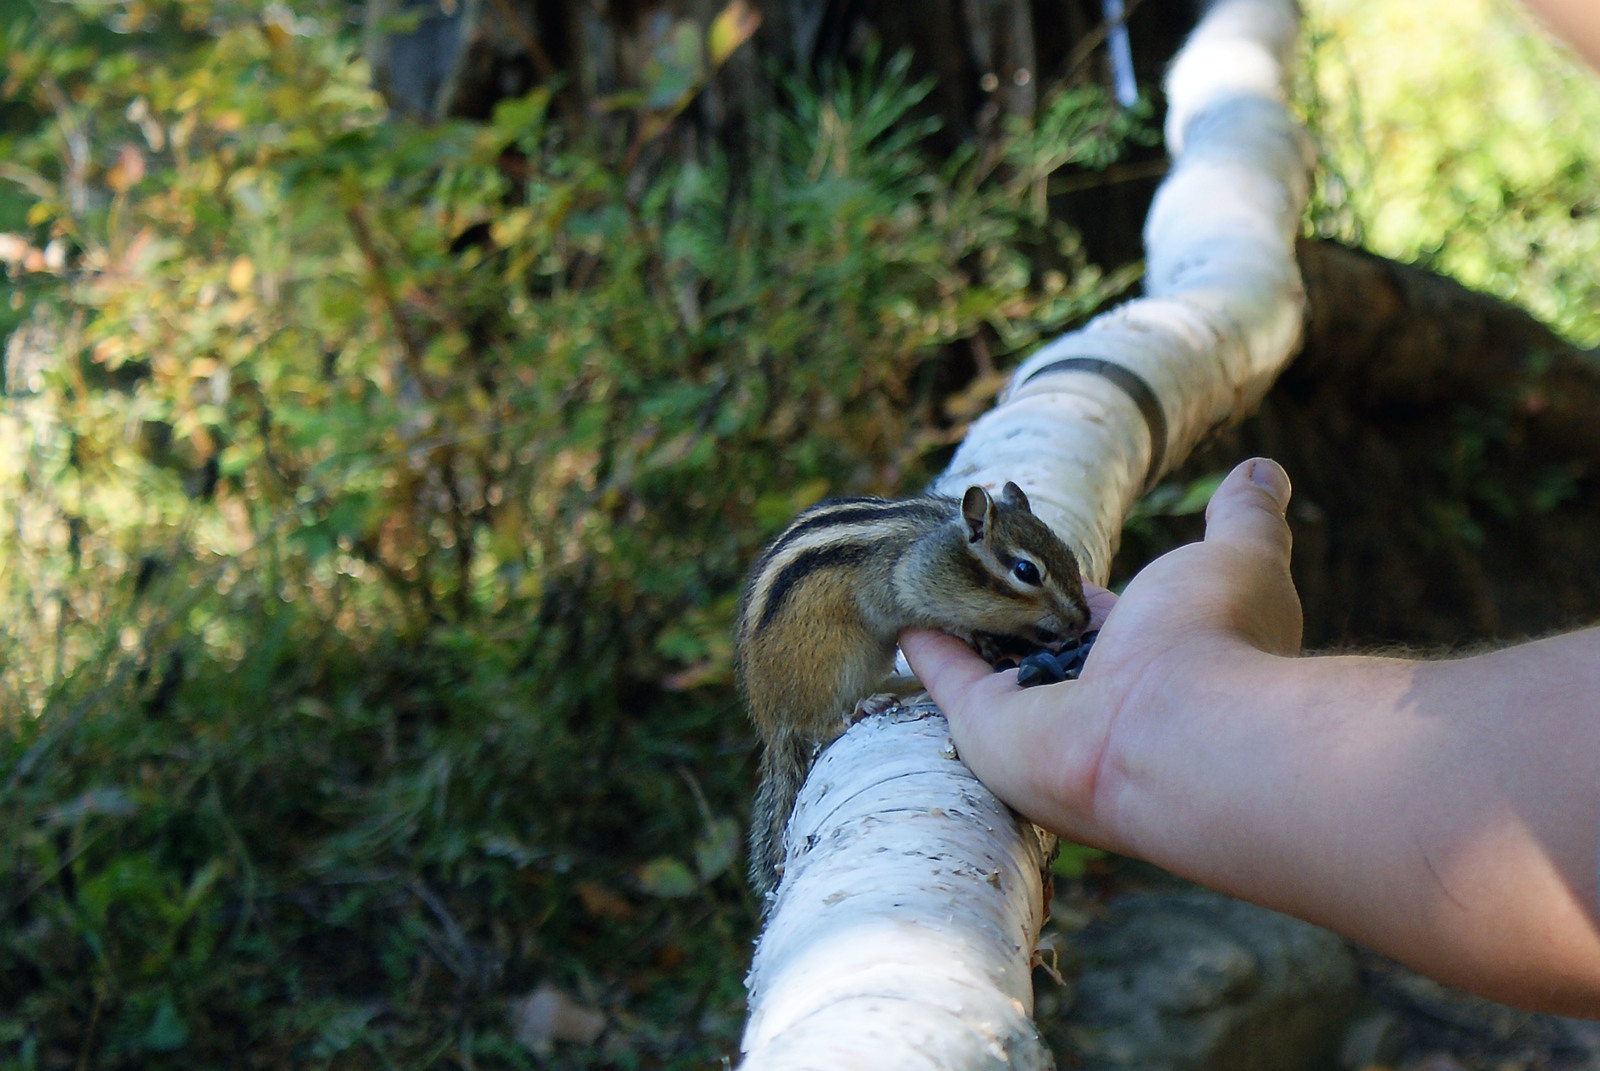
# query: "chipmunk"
[816,626]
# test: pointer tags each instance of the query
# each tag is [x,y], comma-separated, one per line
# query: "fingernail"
[1270,477]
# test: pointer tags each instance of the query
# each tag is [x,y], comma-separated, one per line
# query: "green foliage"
[1072,861]
[1453,134]
[1459,136]
[377,496]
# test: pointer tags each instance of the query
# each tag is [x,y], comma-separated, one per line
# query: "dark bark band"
[1134,386]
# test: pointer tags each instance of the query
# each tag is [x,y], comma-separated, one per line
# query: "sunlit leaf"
[1072,860]
[733,26]
[240,274]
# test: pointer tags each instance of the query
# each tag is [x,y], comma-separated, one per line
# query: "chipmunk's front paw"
[872,704]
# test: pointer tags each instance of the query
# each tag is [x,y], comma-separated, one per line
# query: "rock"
[1438,1061]
[1439,1028]
[1195,981]
[1372,1040]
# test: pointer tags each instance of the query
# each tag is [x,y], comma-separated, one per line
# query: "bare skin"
[1445,813]
[1578,21]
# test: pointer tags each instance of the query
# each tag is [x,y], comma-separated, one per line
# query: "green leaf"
[1073,859]
[666,877]
[675,69]
[112,802]
[345,1028]
[1197,495]
[167,1031]
[716,849]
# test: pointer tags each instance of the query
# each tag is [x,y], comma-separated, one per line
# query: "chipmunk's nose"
[1057,630]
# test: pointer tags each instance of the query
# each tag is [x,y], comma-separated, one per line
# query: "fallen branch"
[1387,335]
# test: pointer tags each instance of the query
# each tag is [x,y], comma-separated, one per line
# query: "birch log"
[903,931]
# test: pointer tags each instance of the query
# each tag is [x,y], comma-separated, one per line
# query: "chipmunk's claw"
[873,704]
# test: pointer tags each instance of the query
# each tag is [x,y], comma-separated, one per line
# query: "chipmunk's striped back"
[839,532]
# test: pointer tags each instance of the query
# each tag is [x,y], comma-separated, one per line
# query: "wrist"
[1191,785]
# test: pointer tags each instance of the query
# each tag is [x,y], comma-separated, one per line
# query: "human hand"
[1440,812]
[1078,757]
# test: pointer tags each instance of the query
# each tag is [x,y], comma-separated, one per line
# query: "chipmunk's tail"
[784,763]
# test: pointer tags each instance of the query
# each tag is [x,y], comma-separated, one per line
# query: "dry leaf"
[711,669]
[547,1015]
[603,903]
[127,171]
[731,28]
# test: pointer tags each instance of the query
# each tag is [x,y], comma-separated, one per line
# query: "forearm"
[1445,813]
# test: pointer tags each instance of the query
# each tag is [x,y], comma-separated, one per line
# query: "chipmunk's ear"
[1012,496]
[977,509]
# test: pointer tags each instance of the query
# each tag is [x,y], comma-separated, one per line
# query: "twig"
[94,1021]
[1112,176]
[391,303]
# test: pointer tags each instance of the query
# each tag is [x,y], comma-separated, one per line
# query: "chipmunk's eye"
[1027,572]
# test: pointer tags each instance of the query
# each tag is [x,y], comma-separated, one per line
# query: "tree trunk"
[988,59]
[1385,334]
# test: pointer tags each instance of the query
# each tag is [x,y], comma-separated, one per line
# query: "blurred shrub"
[1454,134]
[376,498]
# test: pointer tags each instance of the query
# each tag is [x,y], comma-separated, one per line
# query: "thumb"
[1247,511]
[1246,521]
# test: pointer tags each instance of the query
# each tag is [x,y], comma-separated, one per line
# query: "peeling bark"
[903,932]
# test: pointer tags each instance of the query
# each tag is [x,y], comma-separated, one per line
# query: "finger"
[943,664]
[1100,601]
[1020,742]
[1246,515]
[1247,509]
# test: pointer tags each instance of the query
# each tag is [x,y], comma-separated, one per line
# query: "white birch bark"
[902,934]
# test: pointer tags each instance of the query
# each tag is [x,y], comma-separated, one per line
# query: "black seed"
[1047,667]
[1073,662]
[1041,667]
